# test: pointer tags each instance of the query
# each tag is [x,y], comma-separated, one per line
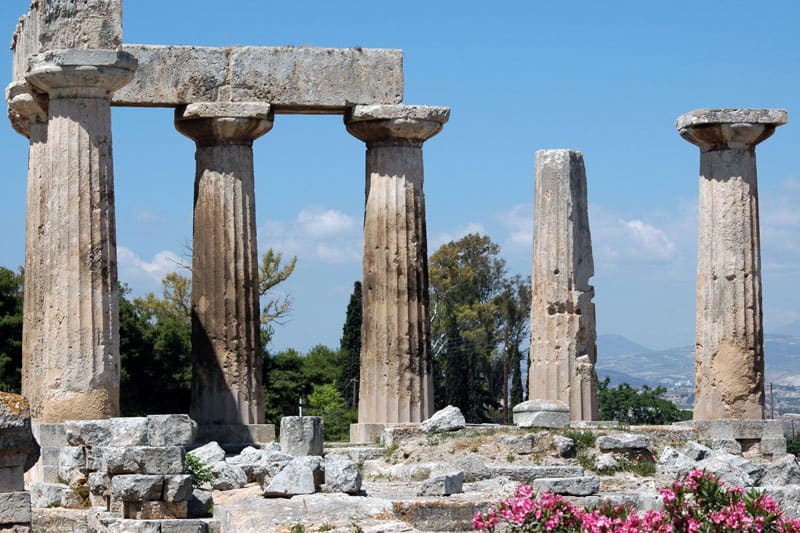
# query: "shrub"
[200,473]
[699,503]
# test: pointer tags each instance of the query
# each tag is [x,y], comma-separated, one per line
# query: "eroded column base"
[367,433]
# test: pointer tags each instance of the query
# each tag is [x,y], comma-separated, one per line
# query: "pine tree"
[350,345]
[10,330]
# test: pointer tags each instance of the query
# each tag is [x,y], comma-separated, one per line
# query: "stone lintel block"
[171,430]
[541,413]
[167,460]
[117,432]
[257,110]
[528,474]
[136,488]
[89,73]
[622,442]
[569,486]
[717,129]
[368,433]
[15,508]
[85,24]
[292,80]
[392,122]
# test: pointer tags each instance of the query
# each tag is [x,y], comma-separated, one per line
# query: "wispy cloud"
[518,223]
[446,236]
[143,275]
[319,222]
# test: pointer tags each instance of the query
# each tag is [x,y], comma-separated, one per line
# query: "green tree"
[326,401]
[636,407]
[271,273]
[514,305]
[466,277]
[350,346]
[11,286]
[284,384]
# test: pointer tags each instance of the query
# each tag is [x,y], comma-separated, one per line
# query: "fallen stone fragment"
[341,474]
[541,413]
[622,442]
[696,451]
[200,503]
[225,476]
[171,430]
[47,494]
[569,486]
[303,475]
[136,488]
[443,485]
[209,454]
[448,419]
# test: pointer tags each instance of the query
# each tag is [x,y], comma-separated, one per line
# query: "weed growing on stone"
[356,528]
[388,453]
[510,458]
[583,438]
[298,528]
[639,465]
[200,473]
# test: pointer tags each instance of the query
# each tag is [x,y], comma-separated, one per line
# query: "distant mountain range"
[623,360]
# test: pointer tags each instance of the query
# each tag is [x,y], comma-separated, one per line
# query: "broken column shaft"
[79,378]
[563,337]
[226,350]
[396,381]
[729,356]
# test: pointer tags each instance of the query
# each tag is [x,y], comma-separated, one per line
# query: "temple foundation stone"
[396,384]
[563,337]
[79,374]
[729,356]
[226,352]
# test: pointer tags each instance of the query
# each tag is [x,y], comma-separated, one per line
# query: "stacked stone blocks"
[18,452]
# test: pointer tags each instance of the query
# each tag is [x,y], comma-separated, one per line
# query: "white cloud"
[617,240]
[319,222]
[518,221]
[145,276]
[448,236]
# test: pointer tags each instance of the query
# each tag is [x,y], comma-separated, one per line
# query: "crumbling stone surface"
[117,432]
[209,454]
[341,474]
[304,475]
[170,430]
[301,435]
[443,485]
[225,476]
[622,442]
[85,24]
[136,487]
[569,486]
[144,460]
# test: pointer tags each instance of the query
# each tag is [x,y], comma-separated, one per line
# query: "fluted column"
[563,337]
[396,382]
[226,350]
[729,356]
[28,114]
[79,377]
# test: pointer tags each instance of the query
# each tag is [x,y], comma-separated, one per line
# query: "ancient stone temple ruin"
[70,67]
[563,338]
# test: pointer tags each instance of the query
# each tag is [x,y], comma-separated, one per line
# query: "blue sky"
[606,78]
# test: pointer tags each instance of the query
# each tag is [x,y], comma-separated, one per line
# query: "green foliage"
[630,406]
[326,401]
[583,438]
[350,346]
[298,528]
[200,473]
[270,274]
[11,286]
[465,278]
[793,445]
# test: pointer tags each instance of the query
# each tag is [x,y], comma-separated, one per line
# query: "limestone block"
[225,476]
[303,475]
[17,445]
[209,454]
[133,526]
[170,430]
[71,462]
[51,434]
[260,464]
[109,432]
[367,433]
[473,467]
[541,413]
[518,444]
[622,442]
[727,445]
[99,484]
[565,446]
[301,435]
[184,526]
[341,474]
[569,486]
[443,485]
[200,503]
[605,461]
[696,451]
[85,24]
[155,510]
[177,488]
[448,419]
[12,477]
[773,447]
[136,487]
[248,455]
[529,474]
[674,464]
[783,471]
[144,460]
[730,468]
[47,494]
[15,508]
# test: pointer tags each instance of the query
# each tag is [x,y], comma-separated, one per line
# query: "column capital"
[210,124]
[724,129]
[396,123]
[76,73]
[25,106]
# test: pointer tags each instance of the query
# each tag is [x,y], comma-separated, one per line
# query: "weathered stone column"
[729,357]
[28,114]
[226,353]
[563,337]
[79,378]
[396,383]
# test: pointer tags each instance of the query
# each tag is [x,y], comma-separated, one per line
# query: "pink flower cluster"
[700,503]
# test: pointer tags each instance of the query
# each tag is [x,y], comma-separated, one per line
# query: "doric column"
[80,319]
[226,351]
[28,114]
[729,357]
[563,337]
[396,382]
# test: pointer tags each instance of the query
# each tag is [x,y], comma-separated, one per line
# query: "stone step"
[439,514]
[569,486]
[528,474]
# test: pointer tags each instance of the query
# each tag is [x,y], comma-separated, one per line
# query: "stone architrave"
[79,378]
[563,337]
[28,113]
[226,358]
[395,384]
[729,356]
